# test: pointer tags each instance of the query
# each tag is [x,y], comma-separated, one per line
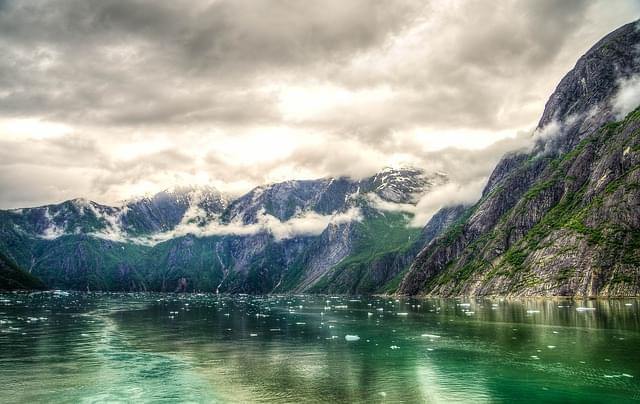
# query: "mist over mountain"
[295,235]
[561,219]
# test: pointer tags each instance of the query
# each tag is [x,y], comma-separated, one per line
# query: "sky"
[113,99]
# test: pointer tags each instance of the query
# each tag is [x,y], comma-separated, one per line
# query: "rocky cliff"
[564,218]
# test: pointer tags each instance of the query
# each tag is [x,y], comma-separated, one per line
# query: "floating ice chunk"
[464,304]
[533,311]
[430,336]
[342,306]
[617,376]
[534,357]
[551,346]
[585,308]
[253,335]
[274,329]
[369,314]
[429,349]
[394,347]
[628,304]
[380,309]
[352,338]
[382,394]
[403,314]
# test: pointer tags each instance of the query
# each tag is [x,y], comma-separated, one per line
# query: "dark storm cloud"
[125,62]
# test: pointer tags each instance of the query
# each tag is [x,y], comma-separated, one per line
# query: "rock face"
[321,235]
[14,278]
[563,219]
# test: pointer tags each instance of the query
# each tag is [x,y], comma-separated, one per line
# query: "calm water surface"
[88,347]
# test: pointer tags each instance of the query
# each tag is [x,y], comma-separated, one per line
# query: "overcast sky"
[108,99]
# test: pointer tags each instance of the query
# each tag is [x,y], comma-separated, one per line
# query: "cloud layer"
[109,99]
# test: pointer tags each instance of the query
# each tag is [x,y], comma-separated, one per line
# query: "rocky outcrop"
[561,219]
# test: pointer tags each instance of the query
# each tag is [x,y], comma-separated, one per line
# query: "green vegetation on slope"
[567,215]
[381,238]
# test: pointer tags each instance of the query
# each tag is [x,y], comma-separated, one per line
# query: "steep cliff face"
[562,219]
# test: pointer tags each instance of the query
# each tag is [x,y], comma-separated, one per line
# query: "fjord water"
[92,347]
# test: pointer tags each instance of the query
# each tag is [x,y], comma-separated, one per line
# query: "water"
[203,348]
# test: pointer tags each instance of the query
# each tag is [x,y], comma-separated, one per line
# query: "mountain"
[315,235]
[14,278]
[562,219]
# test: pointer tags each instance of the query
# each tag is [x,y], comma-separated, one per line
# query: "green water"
[203,348]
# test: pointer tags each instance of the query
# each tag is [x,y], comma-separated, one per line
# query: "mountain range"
[334,235]
[561,218]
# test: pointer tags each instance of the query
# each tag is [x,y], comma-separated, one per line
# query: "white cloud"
[628,97]
[445,195]
[196,223]
[238,93]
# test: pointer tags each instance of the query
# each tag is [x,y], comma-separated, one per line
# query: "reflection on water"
[89,347]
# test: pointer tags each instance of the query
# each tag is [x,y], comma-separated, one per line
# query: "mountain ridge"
[530,197]
[256,243]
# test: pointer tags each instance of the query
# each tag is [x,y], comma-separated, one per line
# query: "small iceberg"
[352,338]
